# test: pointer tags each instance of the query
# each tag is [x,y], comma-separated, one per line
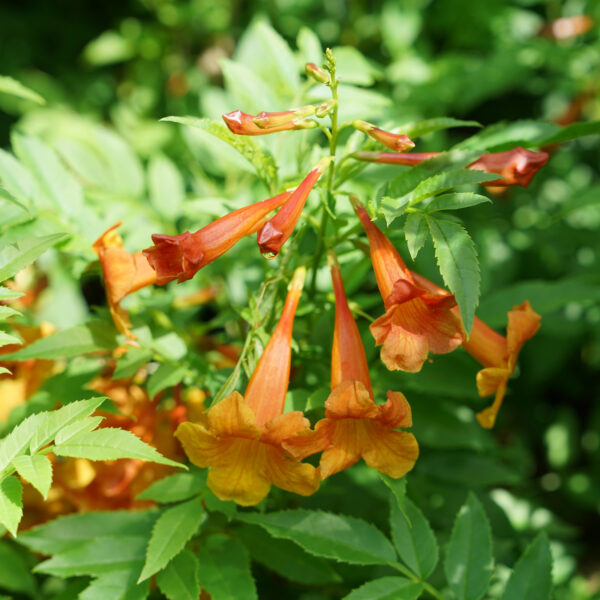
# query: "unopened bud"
[297,281]
[266,120]
[395,141]
[323,164]
[304,124]
[324,108]
[317,73]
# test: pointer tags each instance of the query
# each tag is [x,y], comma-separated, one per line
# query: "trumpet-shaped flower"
[241,123]
[243,439]
[124,273]
[181,256]
[275,232]
[354,426]
[395,141]
[416,321]
[517,166]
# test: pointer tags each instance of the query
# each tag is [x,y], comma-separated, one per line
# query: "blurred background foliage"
[108,71]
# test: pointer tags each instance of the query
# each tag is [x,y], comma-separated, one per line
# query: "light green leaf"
[6,340]
[52,422]
[175,488]
[259,158]
[173,529]
[81,339]
[179,579]
[249,91]
[37,470]
[23,253]
[571,132]
[324,534]
[353,67]
[131,362]
[309,46]
[167,190]
[457,259]
[17,440]
[469,562]
[531,578]
[71,531]
[387,588]
[167,375]
[6,312]
[108,48]
[170,346]
[224,569]
[455,201]
[415,232]
[11,86]
[8,294]
[116,585]
[414,538]
[98,556]
[109,444]
[11,504]
[81,426]
[17,180]
[419,128]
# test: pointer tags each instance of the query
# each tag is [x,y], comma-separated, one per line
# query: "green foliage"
[387,588]
[11,86]
[179,580]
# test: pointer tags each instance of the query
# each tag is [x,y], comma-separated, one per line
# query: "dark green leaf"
[175,488]
[116,585]
[572,132]
[167,375]
[387,588]
[11,86]
[415,130]
[415,232]
[455,201]
[15,574]
[179,579]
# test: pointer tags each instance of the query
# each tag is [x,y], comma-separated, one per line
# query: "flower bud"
[394,141]
[325,107]
[241,123]
[267,120]
[317,73]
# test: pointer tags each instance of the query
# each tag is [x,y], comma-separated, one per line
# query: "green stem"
[426,586]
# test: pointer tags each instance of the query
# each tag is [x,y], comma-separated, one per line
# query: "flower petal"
[396,412]
[350,399]
[487,417]
[289,474]
[201,446]
[285,426]
[310,442]
[337,458]
[233,416]
[523,324]
[391,452]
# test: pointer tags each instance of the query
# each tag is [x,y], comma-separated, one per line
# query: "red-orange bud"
[241,123]
[268,120]
[317,73]
[394,141]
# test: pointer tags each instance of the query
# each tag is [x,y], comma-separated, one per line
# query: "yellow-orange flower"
[242,439]
[354,426]
[123,272]
[416,321]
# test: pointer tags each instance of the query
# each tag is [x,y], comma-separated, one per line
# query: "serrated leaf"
[179,579]
[11,504]
[81,426]
[286,558]
[415,130]
[571,132]
[71,531]
[398,489]
[15,257]
[324,534]
[414,539]
[8,340]
[455,201]
[173,529]
[224,569]
[415,232]
[8,294]
[98,556]
[259,158]
[111,443]
[167,375]
[175,488]
[6,312]
[11,86]
[68,343]
[387,588]
[531,578]
[458,263]
[52,422]
[469,562]
[37,470]
[17,440]
[15,574]
[116,585]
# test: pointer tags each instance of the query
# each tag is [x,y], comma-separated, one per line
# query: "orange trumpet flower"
[124,273]
[395,141]
[243,439]
[275,233]
[517,166]
[354,426]
[416,321]
[182,256]
[241,123]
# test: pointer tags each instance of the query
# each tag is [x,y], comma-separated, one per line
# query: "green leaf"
[52,422]
[11,505]
[8,340]
[6,312]
[286,558]
[398,489]
[324,534]
[224,569]
[67,532]
[175,488]
[109,444]
[11,86]
[37,470]
[15,574]
[457,259]
[455,201]
[415,232]
[415,130]
[387,588]
[90,337]
[8,294]
[98,556]
[116,585]
[173,529]
[167,375]
[469,562]
[167,190]
[17,440]
[23,253]
[571,132]
[414,539]
[259,158]
[17,180]
[531,578]
[353,67]
[131,362]
[179,579]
